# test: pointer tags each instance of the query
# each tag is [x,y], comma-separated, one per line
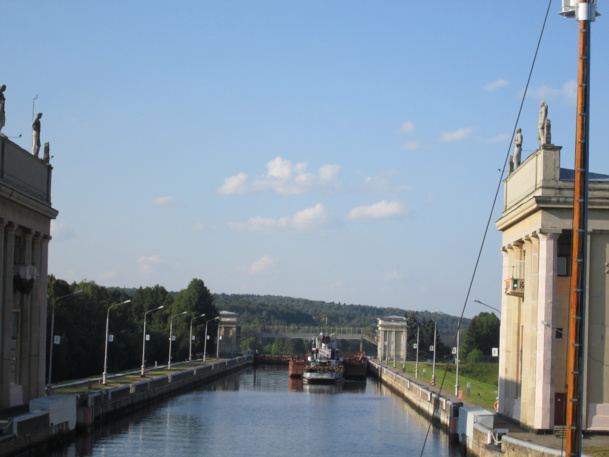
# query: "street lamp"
[488,306]
[190,346]
[457,363]
[205,345]
[416,365]
[433,370]
[218,342]
[52,329]
[143,372]
[171,336]
[105,373]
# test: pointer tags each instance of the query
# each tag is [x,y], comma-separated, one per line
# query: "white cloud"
[283,177]
[149,264]
[265,263]
[457,135]
[61,232]
[164,201]
[407,127]
[499,138]
[392,276]
[234,185]
[494,85]
[567,93]
[412,146]
[382,209]
[303,220]
[107,275]
[382,183]
[200,226]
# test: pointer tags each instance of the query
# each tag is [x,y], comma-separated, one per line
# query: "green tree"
[195,300]
[482,333]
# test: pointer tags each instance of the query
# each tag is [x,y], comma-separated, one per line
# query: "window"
[564,254]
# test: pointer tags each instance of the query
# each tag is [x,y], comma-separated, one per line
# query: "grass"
[131,377]
[596,451]
[481,393]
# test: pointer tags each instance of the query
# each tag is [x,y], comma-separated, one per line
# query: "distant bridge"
[308,333]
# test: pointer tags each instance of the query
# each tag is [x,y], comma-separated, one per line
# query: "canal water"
[261,412]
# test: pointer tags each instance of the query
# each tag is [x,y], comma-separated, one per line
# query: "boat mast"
[583,11]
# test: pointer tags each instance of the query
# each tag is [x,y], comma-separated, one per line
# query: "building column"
[7,365]
[544,386]
[503,332]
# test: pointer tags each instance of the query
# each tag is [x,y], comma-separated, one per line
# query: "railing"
[307,332]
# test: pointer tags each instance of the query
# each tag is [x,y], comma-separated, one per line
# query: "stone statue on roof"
[2,103]
[36,135]
[517,149]
[543,126]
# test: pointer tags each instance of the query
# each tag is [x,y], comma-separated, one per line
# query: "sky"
[345,151]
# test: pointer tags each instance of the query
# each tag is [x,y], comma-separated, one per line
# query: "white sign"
[173,337]
[56,339]
[193,337]
[495,352]
[414,346]
[110,338]
[431,348]
[454,350]
[148,337]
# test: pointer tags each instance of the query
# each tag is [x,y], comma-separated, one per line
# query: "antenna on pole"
[33,104]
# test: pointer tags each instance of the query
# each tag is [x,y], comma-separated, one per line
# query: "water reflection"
[262,412]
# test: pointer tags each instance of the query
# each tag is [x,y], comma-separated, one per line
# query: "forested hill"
[256,310]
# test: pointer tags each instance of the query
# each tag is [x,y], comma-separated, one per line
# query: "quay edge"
[57,418]
[469,426]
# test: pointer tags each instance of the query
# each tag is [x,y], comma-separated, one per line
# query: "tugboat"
[325,363]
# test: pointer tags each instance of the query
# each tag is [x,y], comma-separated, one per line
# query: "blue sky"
[345,151]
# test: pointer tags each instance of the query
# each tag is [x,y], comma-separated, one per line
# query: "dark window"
[564,254]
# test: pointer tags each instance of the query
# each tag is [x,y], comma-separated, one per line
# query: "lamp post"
[52,330]
[171,336]
[433,370]
[416,365]
[205,345]
[218,342]
[488,306]
[143,372]
[105,373]
[190,346]
[457,363]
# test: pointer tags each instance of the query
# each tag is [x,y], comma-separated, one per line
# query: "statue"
[517,149]
[36,135]
[541,124]
[47,152]
[2,103]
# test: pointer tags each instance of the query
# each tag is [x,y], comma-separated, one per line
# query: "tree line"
[81,310]
[80,326]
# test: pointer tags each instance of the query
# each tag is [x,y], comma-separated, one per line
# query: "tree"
[195,300]
[482,333]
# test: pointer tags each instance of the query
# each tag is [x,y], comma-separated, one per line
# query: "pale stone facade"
[230,334]
[536,226]
[392,337]
[25,220]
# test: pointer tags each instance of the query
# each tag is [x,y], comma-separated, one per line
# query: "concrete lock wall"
[471,426]
[57,417]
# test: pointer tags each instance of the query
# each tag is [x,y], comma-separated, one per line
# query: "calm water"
[261,412]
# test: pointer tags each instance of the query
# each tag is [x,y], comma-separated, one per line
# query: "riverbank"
[481,432]
[79,407]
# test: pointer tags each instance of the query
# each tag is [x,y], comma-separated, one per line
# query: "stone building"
[536,226]
[25,220]
[230,334]
[392,337]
